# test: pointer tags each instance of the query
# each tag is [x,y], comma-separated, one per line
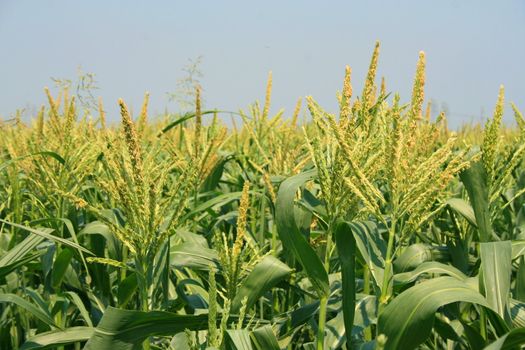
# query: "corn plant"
[376,227]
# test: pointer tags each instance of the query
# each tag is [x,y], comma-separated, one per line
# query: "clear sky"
[135,46]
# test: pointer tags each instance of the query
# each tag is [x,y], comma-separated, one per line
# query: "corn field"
[374,228]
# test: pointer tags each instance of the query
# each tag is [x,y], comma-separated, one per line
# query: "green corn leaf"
[304,313]
[264,338]
[372,248]
[19,255]
[335,332]
[238,339]
[346,249]
[475,181]
[185,117]
[473,336]
[517,313]
[264,276]
[126,329]
[53,339]
[464,209]
[112,243]
[54,155]
[431,267]
[292,238]
[192,255]
[417,254]
[126,289]
[510,341]
[197,297]
[519,289]
[408,319]
[34,310]
[212,181]
[497,268]
[518,249]
[46,234]
[60,266]
[75,298]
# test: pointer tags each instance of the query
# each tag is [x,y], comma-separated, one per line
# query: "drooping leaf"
[19,255]
[54,155]
[464,209]
[216,201]
[291,236]
[192,255]
[445,329]
[211,182]
[46,234]
[189,237]
[408,319]
[126,329]
[473,336]
[264,276]
[75,298]
[499,325]
[198,299]
[185,117]
[33,309]
[510,341]
[304,313]
[432,267]
[415,255]
[112,243]
[53,339]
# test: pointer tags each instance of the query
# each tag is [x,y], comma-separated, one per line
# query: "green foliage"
[378,228]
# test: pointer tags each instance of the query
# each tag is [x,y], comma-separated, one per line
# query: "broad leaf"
[238,339]
[264,338]
[46,234]
[372,248]
[417,254]
[60,266]
[291,236]
[497,270]
[53,339]
[464,209]
[432,267]
[126,329]
[18,256]
[475,181]
[510,341]
[34,310]
[193,256]
[408,319]
[265,275]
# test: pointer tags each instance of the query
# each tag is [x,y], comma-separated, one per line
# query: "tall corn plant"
[375,227]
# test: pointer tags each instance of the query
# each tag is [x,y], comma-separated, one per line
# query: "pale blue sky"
[132,46]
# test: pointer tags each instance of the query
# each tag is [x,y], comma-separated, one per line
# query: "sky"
[135,46]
